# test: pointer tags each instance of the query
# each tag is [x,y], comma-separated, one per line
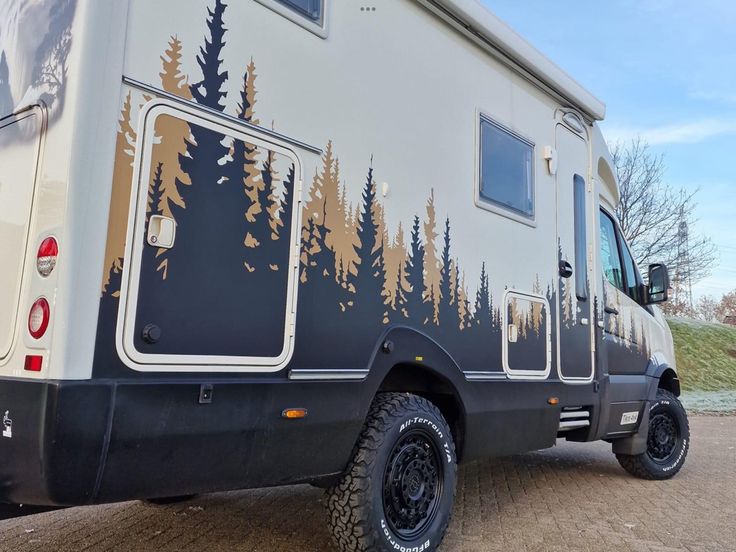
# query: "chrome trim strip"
[484,376]
[309,375]
[174,98]
[577,414]
[565,426]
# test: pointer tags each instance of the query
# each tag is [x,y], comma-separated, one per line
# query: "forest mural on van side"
[222,288]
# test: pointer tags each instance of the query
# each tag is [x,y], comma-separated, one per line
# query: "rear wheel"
[668,441]
[399,488]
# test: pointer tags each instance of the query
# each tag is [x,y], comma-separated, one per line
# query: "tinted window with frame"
[506,173]
[581,239]
[633,277]
[610,257]
[311,9]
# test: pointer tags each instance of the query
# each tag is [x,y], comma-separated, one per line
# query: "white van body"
[369,132]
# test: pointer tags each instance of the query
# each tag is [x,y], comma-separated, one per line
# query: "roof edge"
[488,26]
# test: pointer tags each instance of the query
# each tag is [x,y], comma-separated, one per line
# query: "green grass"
[706,355]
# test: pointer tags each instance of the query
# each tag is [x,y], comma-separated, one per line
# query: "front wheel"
[399,488]
[668,441]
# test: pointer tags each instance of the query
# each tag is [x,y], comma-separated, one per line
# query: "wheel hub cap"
[412,484]
[663,435]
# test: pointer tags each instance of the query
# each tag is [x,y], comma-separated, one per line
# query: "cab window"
[633,278]
[610,257]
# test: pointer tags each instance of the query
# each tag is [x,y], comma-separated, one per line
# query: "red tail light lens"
[34,363]
[48,252]
[38,318]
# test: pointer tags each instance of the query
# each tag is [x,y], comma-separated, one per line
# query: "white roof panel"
[489,27]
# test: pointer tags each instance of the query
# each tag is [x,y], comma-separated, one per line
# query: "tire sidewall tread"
[642,465]
[355,503]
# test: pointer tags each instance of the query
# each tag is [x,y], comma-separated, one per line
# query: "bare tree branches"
[651,212]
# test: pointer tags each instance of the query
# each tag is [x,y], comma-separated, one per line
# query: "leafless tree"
[707,309]
[651,212]
[727,306]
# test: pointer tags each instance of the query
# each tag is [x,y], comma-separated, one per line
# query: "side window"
[309,14]
[506,172]
[311,9]
[610,258]
[633,278]
[581,240]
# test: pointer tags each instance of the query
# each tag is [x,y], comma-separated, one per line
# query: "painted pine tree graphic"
[370,298]
[431,263]
[121,188]
[172,132]
[448,314]
[417,305]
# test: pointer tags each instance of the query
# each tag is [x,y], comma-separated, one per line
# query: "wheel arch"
[409,361]
[665,376]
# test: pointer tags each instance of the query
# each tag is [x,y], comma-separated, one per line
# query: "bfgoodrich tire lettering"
[667,443]
[399,487]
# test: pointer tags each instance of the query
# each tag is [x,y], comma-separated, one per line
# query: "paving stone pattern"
[573,497]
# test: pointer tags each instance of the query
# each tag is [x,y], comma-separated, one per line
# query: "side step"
[574,417]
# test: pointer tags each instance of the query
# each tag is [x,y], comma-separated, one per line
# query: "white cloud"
[680,133]
[728,98]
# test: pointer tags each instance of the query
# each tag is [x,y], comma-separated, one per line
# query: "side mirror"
[659,284]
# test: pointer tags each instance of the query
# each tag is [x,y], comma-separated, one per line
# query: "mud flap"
[636,444]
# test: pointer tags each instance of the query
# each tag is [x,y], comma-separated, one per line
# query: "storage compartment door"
[214,248]
[527,336]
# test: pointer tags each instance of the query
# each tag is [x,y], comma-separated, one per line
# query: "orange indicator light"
[294,413]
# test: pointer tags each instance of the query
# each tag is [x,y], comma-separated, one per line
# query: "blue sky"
[666,70]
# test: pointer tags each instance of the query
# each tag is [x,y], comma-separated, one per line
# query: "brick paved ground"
[572,497]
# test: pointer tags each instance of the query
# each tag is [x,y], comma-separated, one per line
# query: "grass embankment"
[706,355]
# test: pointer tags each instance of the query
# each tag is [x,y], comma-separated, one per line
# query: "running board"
[574,418]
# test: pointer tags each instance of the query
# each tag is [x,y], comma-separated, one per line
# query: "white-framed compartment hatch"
[212,253]
[527,336]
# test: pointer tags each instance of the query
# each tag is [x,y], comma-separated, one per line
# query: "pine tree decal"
[196,228]
[172,132]
[431,264]
[121,188]
[208,91]
[149,259]
[173,80]
[482,317]
[415,301]
[448,313]
[370,299]
[537,307]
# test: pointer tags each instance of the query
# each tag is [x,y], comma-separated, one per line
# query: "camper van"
[339,242]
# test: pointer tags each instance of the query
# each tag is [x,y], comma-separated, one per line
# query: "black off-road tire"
[667,443]
[372,509]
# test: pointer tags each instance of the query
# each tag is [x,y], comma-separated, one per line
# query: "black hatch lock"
[206,391]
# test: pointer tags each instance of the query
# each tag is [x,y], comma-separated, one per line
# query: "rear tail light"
[38,318]
[48,252]
[34,363]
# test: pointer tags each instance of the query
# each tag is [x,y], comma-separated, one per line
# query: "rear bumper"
[53,449]
[96,441]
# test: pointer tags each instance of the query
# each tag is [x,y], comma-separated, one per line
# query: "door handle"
[161,231]
[565,269]
[611,310]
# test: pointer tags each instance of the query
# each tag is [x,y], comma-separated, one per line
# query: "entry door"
[574,301]
[211,281]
